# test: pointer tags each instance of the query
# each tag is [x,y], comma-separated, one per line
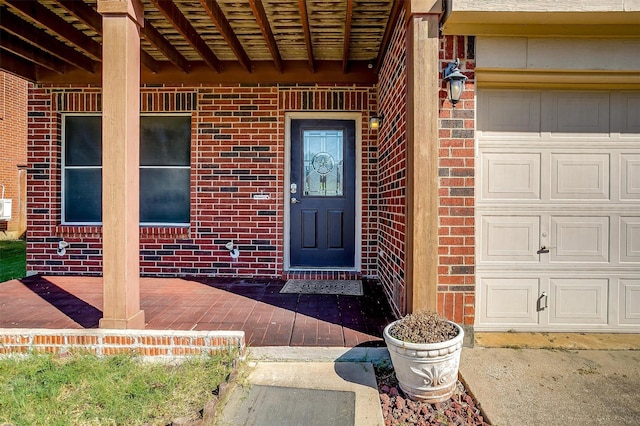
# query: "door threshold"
[322,274]
[320,269]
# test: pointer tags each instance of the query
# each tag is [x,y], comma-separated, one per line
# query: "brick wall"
[456,227]
[237,150]
[147,343]
[456,168]
[13,142]
[392,147]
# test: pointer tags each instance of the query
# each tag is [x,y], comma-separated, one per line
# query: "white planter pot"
[426,371]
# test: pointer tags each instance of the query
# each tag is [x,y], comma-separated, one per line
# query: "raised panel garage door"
[558,211]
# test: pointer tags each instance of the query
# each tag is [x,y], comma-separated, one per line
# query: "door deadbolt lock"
[293,188]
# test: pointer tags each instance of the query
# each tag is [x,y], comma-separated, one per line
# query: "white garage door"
[558,211]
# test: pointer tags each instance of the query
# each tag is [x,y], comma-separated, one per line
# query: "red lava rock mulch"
[460,409]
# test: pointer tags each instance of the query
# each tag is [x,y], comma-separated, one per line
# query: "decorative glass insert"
[323,165]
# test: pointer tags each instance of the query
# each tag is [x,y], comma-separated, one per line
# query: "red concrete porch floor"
[255,306]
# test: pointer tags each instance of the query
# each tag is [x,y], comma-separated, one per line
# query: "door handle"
[542,250]
[543,301]
[295,200]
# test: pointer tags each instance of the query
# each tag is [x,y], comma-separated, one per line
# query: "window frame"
[64,167]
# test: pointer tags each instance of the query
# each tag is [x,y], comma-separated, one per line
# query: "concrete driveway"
[554,387]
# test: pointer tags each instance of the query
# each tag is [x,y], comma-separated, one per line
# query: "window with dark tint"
[165,158]
[165,163]
[82,171]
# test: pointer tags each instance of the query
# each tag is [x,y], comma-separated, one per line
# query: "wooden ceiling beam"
[295,72]
[42,40]
[261,17]
[149,62]
[218,18]
[84,13]
[90,17]
[302,4]
[396,8]
[18,66]
[57,25]
[184,27]
[347,37]
[154,37]
[29,52]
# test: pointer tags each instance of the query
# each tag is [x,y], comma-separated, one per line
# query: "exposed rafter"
[39,38]
[216,15]
[171,53]
[93,20]
[261,17]
[148,61]
[18,66]
[182,25]
[51,21]
[250,41]
[347,36]
[83,12]
[307,33]
[27,51]
[391,25]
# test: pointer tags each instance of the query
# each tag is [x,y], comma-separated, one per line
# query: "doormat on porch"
[341,287]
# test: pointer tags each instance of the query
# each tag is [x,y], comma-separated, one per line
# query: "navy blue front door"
[322,193]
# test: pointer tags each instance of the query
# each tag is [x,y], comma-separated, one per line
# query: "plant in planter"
[425,351]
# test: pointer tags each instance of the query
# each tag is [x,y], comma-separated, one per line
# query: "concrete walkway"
[306,393]
[554,387]
[513,386]
[307,386]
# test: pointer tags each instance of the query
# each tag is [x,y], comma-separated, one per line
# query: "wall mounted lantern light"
[455,81]
[375,122]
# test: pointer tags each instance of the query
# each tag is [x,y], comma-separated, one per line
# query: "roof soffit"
[544,18]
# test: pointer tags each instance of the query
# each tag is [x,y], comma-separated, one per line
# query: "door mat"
[341,287]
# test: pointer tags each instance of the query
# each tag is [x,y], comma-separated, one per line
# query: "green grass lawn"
[80,389]
[13,260]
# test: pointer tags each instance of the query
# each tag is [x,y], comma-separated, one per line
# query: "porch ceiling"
[224,41]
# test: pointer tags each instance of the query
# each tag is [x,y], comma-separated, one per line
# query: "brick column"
[122,20]
[422,154]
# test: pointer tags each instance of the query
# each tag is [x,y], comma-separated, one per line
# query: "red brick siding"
[13,141]
[456,227]
[456,245]
[109,342]
[237,150]
[43,185]
[363,99]
[392,148]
